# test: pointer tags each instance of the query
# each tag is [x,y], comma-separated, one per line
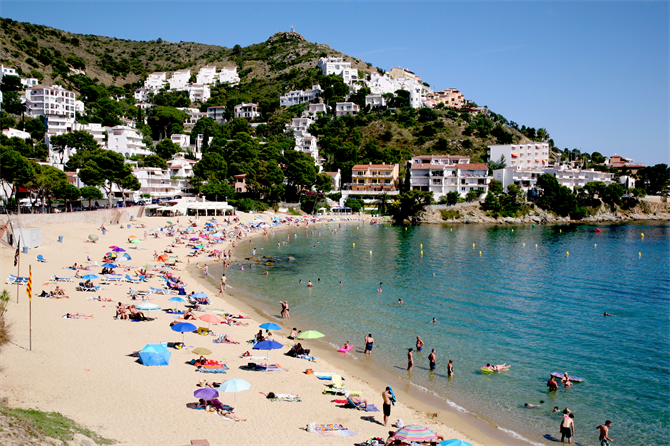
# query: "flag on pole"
[16,255]
[29,288]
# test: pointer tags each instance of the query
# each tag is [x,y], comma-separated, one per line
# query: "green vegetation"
[5,336]
[50,424]
[450,214]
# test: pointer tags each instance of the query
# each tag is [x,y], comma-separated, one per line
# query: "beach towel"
[287,398]
[328,427]
[340,433]
[211,369]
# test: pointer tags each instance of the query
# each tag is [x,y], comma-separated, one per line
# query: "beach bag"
[309,371]
[271,395]
[399,424]
[311,427]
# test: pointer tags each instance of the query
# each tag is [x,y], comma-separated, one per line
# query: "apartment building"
[566,176]
[313,110]
[126,141]
[337,66]
[450,97]
[57,104]
[180,170]
[217,113]
[155,81]
[183,141]
[229,76]
[300,96]
[98,132]
[156,182]
[397,72]
[441,174]
[375,101]
[374,178]
[141,95]
[346,108]
[206,75]
[299,125]
[198,92]
[247,111]
[529,155]
[179,80]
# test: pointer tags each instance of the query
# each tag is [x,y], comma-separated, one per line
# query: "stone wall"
[96,217]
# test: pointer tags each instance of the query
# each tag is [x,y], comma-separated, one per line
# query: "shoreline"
[415,397]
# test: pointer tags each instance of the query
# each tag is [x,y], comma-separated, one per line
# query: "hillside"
[286,61]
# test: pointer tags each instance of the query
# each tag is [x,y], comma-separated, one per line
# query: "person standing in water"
[369,343]
[432,360]
[604,433]
[450,368]
[419,343]
[410,359]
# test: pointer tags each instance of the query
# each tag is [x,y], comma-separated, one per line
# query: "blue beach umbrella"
[154,354]
[270,326]
[184,327]
[234,386]
[89,276]
[199,295]
[454,442]
[177,299]
[267,345]
[147,306]
[117,249]
[109,265]
[127,257]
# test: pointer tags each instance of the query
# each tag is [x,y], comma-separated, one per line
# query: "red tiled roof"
[472,166]
[374,166]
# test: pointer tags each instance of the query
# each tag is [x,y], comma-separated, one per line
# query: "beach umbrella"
[177,299]
[209,318]
[109,265]
[154,354]
[199,246]
[454,442]
[267,345]
[270,326]
[127,257]
[194,239]
[113,246]
[184,327]
[148,306]
[132,237]
[206,393]
[89,276]
[201,351]
[310,334]
[415,433]
[117,249]
[136,240]
[199,295]
[93,237]
[234,386]
[169,223]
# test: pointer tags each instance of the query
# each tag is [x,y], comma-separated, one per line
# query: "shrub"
[450,214]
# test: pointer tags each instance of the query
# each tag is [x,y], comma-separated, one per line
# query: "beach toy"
[344,350]
[486,370]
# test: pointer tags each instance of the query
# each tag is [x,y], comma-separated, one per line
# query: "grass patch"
[450,214]
[294,211]
[51,424]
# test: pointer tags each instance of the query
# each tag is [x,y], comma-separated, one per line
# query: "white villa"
[247,111]
[307,144]
[179,80]
[98,132]
[300,96]
[346,108]
[198,92]
[529,155]
[182,141]
[15,133]
[337,66]
[299,125]
[180,170]
[566,176]
[126,141]
[141,95]
[206,75]
[441,174]
[156,182]
[336,177]
[229,76]
[57,104]
[217,113]
[155,81]
[375,101]
[313,110]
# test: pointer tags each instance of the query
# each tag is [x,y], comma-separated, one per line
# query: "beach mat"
[340,433]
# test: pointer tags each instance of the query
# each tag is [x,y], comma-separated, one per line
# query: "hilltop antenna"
[292,29]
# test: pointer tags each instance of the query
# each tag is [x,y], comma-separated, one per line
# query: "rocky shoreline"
[472,213]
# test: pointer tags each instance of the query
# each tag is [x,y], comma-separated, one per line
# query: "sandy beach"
[86,370]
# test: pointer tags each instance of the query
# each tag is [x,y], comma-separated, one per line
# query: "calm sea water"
[523,301]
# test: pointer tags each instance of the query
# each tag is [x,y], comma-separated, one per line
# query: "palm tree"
[383,198]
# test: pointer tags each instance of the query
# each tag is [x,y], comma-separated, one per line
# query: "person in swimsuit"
[309,283]
[419,343]
[369,343]
[387,397]
[604,433]
[552,384]
[567,428]
[431,360]
[450,368]
[410,359]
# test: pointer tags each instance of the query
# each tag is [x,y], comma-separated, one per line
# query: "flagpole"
[18,267]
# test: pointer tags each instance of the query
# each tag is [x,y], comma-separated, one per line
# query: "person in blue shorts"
[369,343]
[431,359]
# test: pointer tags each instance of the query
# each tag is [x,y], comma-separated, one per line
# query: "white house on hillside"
[98,132]
[198,92]
[182,141]
[15,133]
[299,125]
[247,111]
[126,141]
[314,110]
[346,108]
[155,81]
[529,155]
[206,75]
[57,104]
[179,80]
[217,113]
[229,76]
[141,95]
[375,101]
[441,174]
[566,176]
[300,96]
[337,66]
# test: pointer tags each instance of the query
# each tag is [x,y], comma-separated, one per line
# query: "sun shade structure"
[234,386]
[270,326]
[201,351]
[454,442]
[155,354]
[93,237]
[267,345]
[148,306]
[206,393]
[184,327]
[415,433]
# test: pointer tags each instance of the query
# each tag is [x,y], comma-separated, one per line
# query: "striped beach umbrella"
[415,433]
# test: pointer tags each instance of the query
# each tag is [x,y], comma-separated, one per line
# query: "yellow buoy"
[567,253]
[421,252]
[512,230]
[560,231]
[480,253]
[535,245]
[642,234]
[370,252]
[473,245]
[451,229]
[524,244]
[354,244]
[405,228]
[639,254]
[421,245]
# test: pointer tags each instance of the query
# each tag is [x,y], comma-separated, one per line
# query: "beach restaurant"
[203,209]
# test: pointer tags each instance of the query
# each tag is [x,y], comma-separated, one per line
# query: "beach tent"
[155,354]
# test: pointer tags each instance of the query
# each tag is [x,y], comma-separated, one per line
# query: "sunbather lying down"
[77,316]
[357,400]
[230,415]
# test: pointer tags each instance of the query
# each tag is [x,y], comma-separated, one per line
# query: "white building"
[206,75]
[179,80]
[57,104]
[346,108]
[337,66]
[314,110]
[229,76]
[375,101]
[381,84]
[198,92]
[155,81]
[199,141]
[126,141]
[397,72]
[30,82]
[156,182]
[299,125]
[7,71]
[441,174]
[307,144]
[566,176]
[182,141]
[217,113]
[15,133]
[98,132]
[336,177]
[529,155]
[141,95]
[180,170]
[247,111]
[300,96]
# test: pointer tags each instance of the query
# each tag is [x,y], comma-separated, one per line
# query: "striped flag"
[18,248]
[29,288]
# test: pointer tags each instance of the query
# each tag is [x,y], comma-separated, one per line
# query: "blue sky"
[594,74]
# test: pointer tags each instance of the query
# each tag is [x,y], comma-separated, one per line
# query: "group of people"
[553,385]
[284,310]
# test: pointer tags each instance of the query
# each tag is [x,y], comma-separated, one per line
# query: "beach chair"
[203,331]
[62,279]
[11,279]
[337,387]
[16,280]
[359,406]
[142,278]
[159,290]
[133,292]
[131,280]
[40,258]
[114,278]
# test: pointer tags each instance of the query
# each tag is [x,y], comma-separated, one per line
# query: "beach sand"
[84,368]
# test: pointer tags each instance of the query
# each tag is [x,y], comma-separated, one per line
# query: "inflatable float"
[572,378]
[345,350]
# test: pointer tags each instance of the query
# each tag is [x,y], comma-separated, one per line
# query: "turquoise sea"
[523,301]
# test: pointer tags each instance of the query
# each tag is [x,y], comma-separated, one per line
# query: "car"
[141,202]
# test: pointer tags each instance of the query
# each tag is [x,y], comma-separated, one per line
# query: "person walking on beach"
[224,279]
[419,343]
[604,433]
[410,359]
[387,397]
[431,359]
[567,428]
[369,343]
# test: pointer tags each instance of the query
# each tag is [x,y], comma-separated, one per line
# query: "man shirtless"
[410,359]
[567,428]
[431,359]
[604,433]
[387,397]
[369,343]
[419,343]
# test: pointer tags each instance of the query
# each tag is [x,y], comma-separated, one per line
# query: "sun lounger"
[62,279]
[83,287]
[113,278]
[13,280]
[131,280]
[143,278]
[211,369]
[40,258]
[159,290]
[133,292]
